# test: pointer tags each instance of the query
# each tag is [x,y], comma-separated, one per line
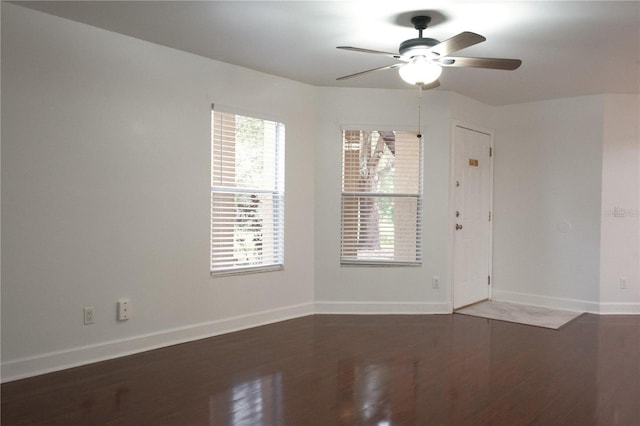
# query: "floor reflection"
[252,402]
[377,393]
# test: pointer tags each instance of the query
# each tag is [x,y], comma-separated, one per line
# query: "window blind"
[381,212]
[247,193]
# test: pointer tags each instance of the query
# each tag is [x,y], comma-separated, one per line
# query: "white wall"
[105,194]
[548,170]
[471,113]
[620,205]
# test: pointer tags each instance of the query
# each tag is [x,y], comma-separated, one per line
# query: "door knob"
[458,227]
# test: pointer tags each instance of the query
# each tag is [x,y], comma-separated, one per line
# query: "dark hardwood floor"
[357,370]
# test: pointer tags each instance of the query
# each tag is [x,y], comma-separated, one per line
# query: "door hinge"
[489,216]
[490,152]
[488,279]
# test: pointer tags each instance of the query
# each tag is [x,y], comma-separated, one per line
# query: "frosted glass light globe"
[420,71]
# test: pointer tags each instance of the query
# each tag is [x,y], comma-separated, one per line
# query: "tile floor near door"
[357,370]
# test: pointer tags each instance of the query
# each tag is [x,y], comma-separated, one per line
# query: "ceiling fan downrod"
[420,23]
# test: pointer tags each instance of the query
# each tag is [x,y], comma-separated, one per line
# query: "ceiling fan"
[421,59]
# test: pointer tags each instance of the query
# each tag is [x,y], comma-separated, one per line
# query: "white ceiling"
[568,48]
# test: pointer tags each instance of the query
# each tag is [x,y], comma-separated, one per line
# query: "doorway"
[472,199]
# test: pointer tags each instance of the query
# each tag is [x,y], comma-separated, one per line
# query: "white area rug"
[522,314]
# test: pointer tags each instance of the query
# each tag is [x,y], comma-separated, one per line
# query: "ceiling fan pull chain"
[420,112]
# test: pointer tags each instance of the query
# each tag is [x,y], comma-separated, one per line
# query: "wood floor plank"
[356,370]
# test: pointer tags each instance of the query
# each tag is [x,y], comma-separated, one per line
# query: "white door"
[472,169]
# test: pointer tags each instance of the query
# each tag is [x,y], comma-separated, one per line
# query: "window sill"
[378,263]
[246,271]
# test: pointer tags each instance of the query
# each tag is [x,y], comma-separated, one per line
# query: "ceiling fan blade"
[431,85]
[375,52]
[457,42]
[491,63]
[388,67]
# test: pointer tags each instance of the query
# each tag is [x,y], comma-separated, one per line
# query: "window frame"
[278,193]
[419,196]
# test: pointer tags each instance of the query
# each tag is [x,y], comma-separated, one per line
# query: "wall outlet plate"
[435,282]
[89,315]
[124,309]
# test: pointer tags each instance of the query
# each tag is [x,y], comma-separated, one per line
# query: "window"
[247,194]
[381,197]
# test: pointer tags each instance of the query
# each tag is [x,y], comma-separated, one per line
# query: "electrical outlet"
[89,315]
[435,282]
[623,283]
[124,309]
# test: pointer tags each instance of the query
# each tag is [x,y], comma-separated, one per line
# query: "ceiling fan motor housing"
[416,46]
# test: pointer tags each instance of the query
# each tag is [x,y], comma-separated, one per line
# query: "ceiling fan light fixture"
[420,71]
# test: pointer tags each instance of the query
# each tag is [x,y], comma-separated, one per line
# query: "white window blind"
[381,217]
[247,194]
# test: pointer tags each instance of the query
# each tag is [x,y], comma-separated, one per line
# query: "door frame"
[451,210]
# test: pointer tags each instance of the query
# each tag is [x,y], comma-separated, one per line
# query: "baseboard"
[575,305]
[55,361]
[371,308]
[620,308]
